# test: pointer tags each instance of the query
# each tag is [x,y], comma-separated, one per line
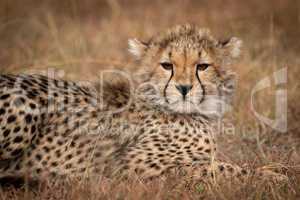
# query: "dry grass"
[79,37]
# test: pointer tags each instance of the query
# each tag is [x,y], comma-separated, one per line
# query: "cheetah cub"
[52,127]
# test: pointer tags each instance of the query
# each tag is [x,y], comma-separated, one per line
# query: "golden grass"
[80,37]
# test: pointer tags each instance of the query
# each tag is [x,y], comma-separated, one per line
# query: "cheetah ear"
[137,48]
[232,47]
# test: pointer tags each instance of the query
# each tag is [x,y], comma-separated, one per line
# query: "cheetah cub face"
[186,70]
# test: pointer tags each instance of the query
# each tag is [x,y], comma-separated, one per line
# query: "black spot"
[57,153]
[43,89]
[69,156]
[32,106]
[183,140]
[73,144]
[42,101]
[138,161]
[148,121]
[153,131]
[27,82]
[6,145]
[38,157]
[66,100]
[207,150]
[49,139]
[16,152]
[5,96]
[29,163]
[6,132]
[153,165]
[33,129]
[24,87]
[66,120]
[204,172]
[98,154]
[33,146]
[172,150]
[43,115]
[11,119]
[200,149]
[154,136]
[81,145]
[154,117]
[230,169]
[68,166]
[18,139]
[79,114]
[18,167]
[221,168]
[77,100]
[2,111]
[31,94]
[80,160]
[17,129]
[206,141]
[44,162]
[46,149]
[28,118]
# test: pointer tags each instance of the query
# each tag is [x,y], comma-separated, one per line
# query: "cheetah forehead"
[184,36]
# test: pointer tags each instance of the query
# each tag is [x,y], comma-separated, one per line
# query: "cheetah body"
[56,127]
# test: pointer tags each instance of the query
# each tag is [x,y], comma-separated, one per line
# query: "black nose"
[184,89]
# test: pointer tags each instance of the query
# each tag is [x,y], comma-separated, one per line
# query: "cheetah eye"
[202,67]
[167,66]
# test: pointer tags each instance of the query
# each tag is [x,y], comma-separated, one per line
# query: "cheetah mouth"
[183,106]
[183,101]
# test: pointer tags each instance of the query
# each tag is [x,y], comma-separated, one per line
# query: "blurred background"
[83,37]
[55,32]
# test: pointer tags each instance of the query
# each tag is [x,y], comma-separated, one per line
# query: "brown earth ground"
[80,37]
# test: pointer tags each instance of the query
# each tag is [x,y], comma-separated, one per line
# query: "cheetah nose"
[184,89]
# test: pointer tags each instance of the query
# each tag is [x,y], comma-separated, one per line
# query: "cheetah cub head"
[186,70]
